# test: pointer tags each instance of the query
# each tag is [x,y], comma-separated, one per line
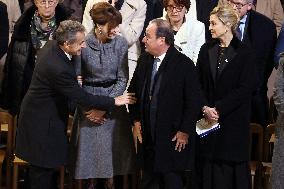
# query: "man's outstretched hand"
[127,98]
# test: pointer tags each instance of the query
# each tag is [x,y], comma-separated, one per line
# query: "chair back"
[7,125]
[256,141]
[269,134]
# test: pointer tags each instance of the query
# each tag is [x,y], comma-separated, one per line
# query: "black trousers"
[259,109]
[170,180]
[223,175]
[42,178]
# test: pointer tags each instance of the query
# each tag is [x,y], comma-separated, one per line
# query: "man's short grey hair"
[67,30]
[164,29]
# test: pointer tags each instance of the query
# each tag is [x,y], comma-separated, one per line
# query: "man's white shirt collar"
[161,58]
[68,55]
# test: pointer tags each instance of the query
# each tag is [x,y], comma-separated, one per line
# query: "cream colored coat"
[273,10]
[133,16]
[14,13]
[190,37]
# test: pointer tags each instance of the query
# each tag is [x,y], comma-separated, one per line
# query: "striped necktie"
[154,72]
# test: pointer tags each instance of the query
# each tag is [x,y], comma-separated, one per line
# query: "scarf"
[39,35]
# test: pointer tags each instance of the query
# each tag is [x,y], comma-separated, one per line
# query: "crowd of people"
[137,75]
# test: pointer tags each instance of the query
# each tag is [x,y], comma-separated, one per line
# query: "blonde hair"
[227,14]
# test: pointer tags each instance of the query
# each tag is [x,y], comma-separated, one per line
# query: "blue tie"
[154,71]
[239,32]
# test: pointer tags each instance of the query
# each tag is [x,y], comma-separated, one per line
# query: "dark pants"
[223,175]
[170,180]
[259,109]
[42,178]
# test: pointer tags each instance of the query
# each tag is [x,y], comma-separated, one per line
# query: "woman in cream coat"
[189,32]
[133,16]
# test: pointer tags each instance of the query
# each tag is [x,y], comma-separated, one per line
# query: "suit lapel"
[247,31]
[213,55]
[167,65]
[147,76]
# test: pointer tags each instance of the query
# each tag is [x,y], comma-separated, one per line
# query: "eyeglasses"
[171,8]
[237,5]
[43,3]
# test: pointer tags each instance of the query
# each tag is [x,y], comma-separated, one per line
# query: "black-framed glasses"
[171,8]
[237,5]
[48,2]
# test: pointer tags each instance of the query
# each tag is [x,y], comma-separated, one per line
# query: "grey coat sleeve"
[278,95]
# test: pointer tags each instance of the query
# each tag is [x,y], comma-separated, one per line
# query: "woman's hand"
[210,114]
[96,116]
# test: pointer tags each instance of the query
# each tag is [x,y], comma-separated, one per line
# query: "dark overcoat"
[41,136]
[177,105]
[231,94]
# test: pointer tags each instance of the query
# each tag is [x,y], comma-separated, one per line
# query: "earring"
[100,31]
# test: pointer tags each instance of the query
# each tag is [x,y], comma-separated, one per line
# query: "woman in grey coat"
[104,146]
[277,179]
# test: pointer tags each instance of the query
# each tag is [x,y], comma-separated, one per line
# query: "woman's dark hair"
[103,13]
[185,3]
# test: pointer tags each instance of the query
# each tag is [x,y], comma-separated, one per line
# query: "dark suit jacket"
[177,104]
[231,94]
[261,35]
[41,136]
[4,29]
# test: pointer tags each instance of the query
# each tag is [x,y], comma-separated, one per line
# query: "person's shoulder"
[210,43]
[22,26]
[194,21]
[261,19]
[121,41]
[181,58]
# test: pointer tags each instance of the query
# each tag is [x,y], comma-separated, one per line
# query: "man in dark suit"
[258,32]
[168,92]
[4,29]
[41,135]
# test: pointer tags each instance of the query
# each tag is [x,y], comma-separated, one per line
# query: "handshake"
[99,116]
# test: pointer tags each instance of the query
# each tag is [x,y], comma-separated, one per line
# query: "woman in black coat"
[227,75]
[32,30]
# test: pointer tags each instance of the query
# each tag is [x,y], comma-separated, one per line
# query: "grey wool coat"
[277,179]
[105,150]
